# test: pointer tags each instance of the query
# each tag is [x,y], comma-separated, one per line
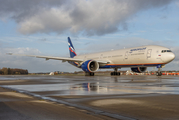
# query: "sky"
[41,27]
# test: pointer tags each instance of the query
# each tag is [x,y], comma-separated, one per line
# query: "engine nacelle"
[139,69]
[90,66]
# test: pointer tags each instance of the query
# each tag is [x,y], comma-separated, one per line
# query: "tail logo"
[71,48]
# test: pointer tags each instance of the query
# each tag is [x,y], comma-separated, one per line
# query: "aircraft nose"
[172,56]
[168,57]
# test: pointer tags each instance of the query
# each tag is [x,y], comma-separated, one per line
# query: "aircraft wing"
[50,57]
[59,58]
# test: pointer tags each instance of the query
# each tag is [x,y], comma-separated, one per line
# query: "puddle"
[81,85]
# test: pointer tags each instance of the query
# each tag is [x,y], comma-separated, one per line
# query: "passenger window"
[163,51]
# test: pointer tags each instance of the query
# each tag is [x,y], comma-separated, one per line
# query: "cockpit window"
[169,51]
[163,51]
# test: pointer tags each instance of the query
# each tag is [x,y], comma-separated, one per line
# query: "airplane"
[137,58]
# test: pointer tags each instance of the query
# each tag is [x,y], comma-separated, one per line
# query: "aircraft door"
[101,56]
[149,51]
[126,55]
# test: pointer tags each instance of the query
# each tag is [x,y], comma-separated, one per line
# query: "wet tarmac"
[118,97]
[100,85]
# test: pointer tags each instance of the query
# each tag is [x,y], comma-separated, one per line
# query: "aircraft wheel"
[112,73]
[115,73]
[159,73]
[118,73]
[91,74]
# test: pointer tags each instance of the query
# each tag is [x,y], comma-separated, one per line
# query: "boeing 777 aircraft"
[138,59]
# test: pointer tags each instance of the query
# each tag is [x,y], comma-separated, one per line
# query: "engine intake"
[90,66]
[139,69]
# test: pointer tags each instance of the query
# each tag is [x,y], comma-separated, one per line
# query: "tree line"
[11,71]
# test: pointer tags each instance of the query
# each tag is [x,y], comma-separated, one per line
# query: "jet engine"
[139,69]
[90,66]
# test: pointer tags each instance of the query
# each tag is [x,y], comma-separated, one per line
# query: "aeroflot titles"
[138,49]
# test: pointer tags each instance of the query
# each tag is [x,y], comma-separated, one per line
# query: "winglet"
[71,48]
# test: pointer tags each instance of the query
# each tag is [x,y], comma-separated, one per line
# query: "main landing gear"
[115,72]
[89,74]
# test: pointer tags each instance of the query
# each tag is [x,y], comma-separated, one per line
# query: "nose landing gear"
[159,73]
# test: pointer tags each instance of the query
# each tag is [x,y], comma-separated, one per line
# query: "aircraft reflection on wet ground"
[90,87]
[124,97]
[81,85]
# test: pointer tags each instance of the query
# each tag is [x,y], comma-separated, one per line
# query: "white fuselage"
[148,56]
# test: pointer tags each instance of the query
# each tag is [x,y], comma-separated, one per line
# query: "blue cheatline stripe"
[133,65]
[114,66]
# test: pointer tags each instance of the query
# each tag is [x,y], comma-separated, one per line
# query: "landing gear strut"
[115,72]
[159,73]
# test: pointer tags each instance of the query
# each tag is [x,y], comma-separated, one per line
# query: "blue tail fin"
[71,48]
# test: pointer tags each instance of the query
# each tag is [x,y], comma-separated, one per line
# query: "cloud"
[91,17]
[163,17]
[177,3]
[117,43]
[30,63]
